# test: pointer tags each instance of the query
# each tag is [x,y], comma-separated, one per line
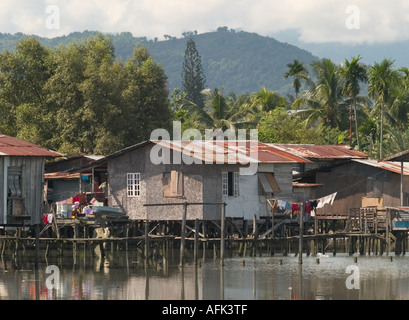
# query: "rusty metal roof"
[385,165]
[236,151]
[322,152]
[61,175]
[10,146]
[400,156]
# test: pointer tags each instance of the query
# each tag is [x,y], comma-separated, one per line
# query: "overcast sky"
[353,21]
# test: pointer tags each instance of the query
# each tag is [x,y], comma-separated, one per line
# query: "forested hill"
[239,61]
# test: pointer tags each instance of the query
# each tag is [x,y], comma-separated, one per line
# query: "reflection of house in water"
[21,180]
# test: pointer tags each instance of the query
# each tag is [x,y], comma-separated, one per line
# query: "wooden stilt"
[196,240]
[182,240]
[222,233]
[146,243]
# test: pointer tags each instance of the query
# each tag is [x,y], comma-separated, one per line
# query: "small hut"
[21,181]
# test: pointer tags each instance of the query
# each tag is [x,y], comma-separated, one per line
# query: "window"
[15,201]
[268,183]
[14,182]
[230,183]
[134,184]
[172,183]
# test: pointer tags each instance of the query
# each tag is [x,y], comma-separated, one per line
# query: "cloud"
[316,20]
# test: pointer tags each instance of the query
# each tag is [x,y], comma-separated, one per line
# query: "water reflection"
[125,276]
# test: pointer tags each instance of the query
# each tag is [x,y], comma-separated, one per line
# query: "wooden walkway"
[365,231]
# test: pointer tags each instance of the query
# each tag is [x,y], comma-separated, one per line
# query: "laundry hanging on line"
[295,207]
[326,200]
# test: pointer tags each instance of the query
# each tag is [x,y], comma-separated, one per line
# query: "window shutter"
[236,183]
[225,184]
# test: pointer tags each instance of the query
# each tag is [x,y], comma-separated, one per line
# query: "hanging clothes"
[326,200]
[307,207]
[281,204]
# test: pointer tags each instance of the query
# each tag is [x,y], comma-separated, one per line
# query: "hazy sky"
[353,21]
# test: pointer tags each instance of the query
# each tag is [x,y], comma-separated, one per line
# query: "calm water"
[122,276]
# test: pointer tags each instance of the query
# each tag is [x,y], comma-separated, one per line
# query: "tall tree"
[267,100]
[324,95]
[382,80]
[79,99]
[23,107]
[354,73]
[146,97]
[298,71]
[193,77]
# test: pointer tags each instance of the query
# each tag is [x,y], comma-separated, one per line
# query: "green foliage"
[193,78]
[79,98]
[278,126]
[94,93]
[241,62]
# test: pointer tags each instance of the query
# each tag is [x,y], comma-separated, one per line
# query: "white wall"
[247,203]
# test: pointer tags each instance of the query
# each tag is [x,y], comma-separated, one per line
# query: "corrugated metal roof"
[231,152]
[61,175]
[312,151]
[386,165]
[10,146]
[400,156]
[306,185]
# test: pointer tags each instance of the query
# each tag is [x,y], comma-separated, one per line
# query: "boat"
[104,210]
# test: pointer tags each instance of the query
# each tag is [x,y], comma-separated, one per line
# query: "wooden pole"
[37,244]
[387,231]
[222,232]
[146,241]
[401,183]
[301,234]
[182,240]
[196,241]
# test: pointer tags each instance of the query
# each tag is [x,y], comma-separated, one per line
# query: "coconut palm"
[298,71]
[354,73]
[382,80]
[266,100]
[323,98]
[221,112]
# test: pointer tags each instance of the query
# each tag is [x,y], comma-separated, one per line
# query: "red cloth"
[307,207]
[294,207]
[45,221]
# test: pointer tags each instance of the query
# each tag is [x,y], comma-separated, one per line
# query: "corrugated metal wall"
[32,174]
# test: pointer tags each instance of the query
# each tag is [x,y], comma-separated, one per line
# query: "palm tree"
[220,112]
[382,80]
[266,100]
[298,71]
[353,74]
[324,96]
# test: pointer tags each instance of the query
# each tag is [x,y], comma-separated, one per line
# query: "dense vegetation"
[238,60]
[327,107]
[79,98]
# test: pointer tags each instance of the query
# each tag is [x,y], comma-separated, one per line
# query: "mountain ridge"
[238,61]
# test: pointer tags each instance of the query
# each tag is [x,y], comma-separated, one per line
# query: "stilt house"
[21,181]
[152,180]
